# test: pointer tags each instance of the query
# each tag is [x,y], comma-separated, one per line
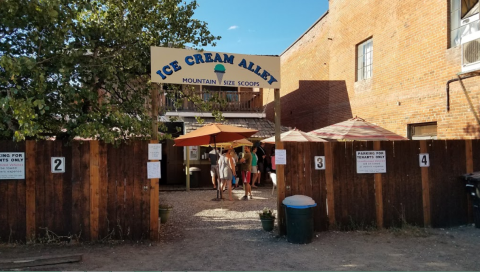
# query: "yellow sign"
[183,66]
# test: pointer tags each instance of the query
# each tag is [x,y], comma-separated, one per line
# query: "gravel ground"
[208,235]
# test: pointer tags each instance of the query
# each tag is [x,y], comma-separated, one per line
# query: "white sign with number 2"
[424,160]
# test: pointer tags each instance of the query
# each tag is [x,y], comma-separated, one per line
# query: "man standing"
[246,172]
[213,158]
[261,161]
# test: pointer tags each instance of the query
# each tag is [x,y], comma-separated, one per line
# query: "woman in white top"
[225,166]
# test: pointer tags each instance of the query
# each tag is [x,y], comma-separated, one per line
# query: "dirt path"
[207,235]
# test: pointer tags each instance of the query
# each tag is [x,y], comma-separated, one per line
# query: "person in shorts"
[255,172]
[261,163]
[246,172]
[213,157]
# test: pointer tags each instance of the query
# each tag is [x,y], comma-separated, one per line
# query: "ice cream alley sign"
[182,66]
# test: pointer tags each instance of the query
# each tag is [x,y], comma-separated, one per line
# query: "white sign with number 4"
[424,160]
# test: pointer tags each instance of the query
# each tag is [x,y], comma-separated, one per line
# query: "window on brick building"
[364,60]
[422,131]
[464,19]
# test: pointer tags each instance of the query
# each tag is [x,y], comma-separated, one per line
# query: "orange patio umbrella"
[356,129]
[233,144]
[213,134]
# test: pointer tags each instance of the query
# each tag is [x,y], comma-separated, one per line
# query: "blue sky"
[258,27]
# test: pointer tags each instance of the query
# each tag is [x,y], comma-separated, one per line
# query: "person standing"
[255,172]
[246,172]
[212,157]
[272,156]
[261,162]
[235,170]
[225,166]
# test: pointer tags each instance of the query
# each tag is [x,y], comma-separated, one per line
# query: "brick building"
[388,62]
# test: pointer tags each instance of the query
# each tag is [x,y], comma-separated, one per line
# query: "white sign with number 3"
[424,160]
[319,162]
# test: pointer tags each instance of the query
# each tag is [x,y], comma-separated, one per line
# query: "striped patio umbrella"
[356,129]
[294,135]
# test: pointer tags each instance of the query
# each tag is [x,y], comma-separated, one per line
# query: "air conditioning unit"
[471,52]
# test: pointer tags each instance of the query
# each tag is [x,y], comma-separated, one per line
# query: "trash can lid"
[475,176]
[194,169]
[299,202]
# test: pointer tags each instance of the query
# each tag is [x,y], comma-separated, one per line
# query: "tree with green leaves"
[82,67]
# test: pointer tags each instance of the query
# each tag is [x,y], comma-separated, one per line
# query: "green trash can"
[299,218]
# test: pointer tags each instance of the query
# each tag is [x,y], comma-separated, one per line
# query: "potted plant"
[268,219]
[164,212]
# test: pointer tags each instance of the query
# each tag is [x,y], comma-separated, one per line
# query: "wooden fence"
[104,192]
[407,193]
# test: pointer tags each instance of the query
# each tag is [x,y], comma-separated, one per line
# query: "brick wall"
[411,65]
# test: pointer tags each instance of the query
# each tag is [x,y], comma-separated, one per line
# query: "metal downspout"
[453,80]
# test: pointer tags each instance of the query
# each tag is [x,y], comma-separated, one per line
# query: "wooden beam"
[280,168]
[329,180]
[378,192]
[30,182]
[425,188]
[94,189]
[154,202]
[38,261]
[155,112]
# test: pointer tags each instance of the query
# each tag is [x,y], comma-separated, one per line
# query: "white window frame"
[459,27]
[365,60]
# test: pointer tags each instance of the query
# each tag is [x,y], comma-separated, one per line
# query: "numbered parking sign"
[424,159]
[319,162]
[58,164]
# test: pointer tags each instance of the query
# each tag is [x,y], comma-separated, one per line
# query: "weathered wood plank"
[40,188]
[94,188]
[281,194]
[329,179]
[120,190]
[137,191]
[289,172]
[154,201]
[301,178]
[49,187]
[30,173]
[113,168]
[469,169]
[378,191]
[103,223]
[129,190]
[425,187]
[39,261]
[58,224]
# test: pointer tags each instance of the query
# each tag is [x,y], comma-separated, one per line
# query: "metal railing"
[225,101]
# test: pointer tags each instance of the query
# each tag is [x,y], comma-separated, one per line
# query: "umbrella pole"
[219,189]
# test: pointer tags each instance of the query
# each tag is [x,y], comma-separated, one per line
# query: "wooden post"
[30,190]
[378,192]
[94,189]
[469,164]
[154,202]
[280,168]
[155,112]
[187,168]
[329,180]
[425,189]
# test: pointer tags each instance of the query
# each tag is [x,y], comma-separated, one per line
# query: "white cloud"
[233,27]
